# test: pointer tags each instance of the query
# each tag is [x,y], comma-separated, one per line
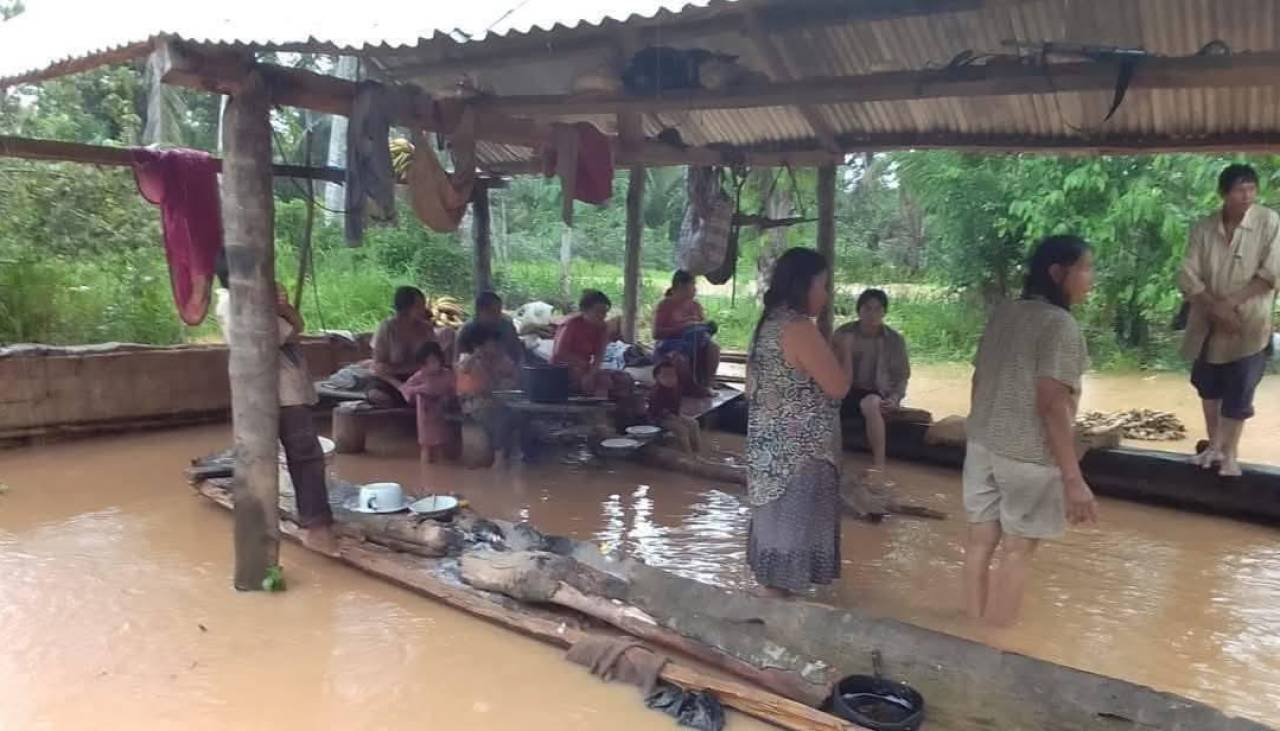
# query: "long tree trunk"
[249,226]
[481,231]
[346,68]
[827,238]
[777,205]
[566,260]
[631,266]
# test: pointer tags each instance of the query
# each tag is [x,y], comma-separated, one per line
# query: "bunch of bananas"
[447,312]
[401,156]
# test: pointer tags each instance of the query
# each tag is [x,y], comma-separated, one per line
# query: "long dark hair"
[679,279]
[1064,250]
[789,285]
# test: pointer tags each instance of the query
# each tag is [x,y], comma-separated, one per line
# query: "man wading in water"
[1229,277]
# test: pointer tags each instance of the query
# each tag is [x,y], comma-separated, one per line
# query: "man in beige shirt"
[1229,277]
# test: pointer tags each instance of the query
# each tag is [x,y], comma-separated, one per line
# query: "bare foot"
[321,538]
[771,592]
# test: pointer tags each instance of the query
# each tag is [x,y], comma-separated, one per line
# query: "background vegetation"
[81,258]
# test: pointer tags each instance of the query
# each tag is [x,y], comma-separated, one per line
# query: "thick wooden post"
[631,267]
[248,221]
[482,232]
[827,236]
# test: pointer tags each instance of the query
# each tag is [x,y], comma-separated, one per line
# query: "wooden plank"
[631,265]
[248,222]
[827,238]
[27,148]
[992,80]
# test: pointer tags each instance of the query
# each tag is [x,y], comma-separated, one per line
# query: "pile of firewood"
[1144,424]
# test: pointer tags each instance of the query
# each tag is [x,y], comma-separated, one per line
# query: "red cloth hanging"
[582,157]
[184,183]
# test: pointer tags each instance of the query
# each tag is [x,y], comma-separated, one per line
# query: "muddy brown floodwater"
[110,567]
[116,611]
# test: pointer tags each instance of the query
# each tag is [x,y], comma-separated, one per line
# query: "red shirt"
[672,316]
[579,342]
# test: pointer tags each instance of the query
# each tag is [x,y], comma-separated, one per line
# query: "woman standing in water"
[794,386]
[1022,479]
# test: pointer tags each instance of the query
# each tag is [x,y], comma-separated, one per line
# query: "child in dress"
[433,393]
[664,408]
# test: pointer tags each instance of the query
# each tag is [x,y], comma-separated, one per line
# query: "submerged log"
[548,579]
[678,461]
[559,628]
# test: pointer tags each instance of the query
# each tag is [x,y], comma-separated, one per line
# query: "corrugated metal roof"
[434,46]
[57,32]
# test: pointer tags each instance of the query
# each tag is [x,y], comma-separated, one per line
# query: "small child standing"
[432,391]
[664,408]
[482,369]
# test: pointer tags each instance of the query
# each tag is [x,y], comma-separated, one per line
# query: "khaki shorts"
[1025,497]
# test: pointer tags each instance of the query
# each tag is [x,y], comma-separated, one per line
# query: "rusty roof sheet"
[62,36]
[491,48]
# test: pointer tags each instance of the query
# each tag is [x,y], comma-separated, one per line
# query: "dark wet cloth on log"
[794,541]
[370,175]
[305,457]
[618,658]
[184,183]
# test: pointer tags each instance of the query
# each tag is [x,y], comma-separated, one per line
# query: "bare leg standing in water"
[980,547]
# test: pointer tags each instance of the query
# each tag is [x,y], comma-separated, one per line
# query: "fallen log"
[546,579]
[558,628]
[672,459]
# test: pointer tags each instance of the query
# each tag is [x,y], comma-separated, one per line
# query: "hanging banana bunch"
[447,312]
[401,156]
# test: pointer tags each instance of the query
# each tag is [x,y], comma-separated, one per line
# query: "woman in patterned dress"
[794,386]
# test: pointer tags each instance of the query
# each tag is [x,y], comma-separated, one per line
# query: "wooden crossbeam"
[410,107]
[993,80]
[55,151]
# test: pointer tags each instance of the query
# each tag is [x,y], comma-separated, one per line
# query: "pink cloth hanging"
[184,183]
[582,157]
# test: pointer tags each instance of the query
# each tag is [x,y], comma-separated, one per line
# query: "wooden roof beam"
[55,151]
[1240,70]
[410,107]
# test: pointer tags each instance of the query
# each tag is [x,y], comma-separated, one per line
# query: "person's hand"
[888,404]
[1224,314]
[1082,506]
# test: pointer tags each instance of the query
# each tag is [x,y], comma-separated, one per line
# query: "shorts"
[1231,383]
[851,407]
[1025,497]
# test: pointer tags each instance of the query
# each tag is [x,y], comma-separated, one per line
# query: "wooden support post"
[631,267]
[248,220]
[827,237]
[482,232]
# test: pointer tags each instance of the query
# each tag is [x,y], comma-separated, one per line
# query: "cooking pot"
[547,384]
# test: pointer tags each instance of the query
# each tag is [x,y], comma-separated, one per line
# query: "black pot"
[878,704]
[547,384]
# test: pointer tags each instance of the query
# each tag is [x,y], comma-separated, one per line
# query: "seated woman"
[433,393]
[680,328]
[396,343]
[580,344]
[482,369]
[880,371]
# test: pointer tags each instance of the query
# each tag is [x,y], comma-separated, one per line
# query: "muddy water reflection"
[1176,601]
[116,609]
